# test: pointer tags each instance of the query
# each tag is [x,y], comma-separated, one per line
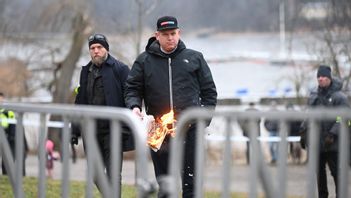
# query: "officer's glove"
[74,140]
[329,139]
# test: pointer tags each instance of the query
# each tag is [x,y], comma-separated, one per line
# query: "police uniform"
[10,132]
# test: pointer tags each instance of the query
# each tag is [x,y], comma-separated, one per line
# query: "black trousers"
[160,160]
[330,158]
[104,144]
[12,148]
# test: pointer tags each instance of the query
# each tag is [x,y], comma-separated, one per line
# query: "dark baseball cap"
[167,23]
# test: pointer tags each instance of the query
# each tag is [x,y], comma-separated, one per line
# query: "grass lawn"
[77,188]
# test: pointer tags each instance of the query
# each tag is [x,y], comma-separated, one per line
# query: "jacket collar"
[108,62]
[334,86]
[153,47]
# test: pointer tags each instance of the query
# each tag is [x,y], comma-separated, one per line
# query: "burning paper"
[159,129]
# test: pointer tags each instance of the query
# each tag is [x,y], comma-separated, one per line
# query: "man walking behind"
[102,83]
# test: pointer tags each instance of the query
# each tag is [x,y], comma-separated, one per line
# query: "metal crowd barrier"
[258,168]
[86,115]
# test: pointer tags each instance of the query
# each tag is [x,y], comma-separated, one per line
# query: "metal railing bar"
[88,129]
[254,159]
[282,159]
[313,157]
[343,160]
[226,171]
[42,156]
[199,158]
[115,158]
[66,136]
[19,156]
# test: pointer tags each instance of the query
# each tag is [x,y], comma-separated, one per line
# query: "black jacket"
[149,80]
[10,132]
[114,74]
[329,98]
[272,126]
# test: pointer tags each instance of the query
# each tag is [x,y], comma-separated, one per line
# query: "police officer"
[328,95]
[10,131]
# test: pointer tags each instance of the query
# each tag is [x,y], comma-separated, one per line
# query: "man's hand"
[137,112]
[329,139]
[74,140]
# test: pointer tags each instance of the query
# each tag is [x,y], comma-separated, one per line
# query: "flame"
[162,127]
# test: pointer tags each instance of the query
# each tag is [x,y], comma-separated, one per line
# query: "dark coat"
[149,80]
[114,74]
[245,123]
[294,127]
[10,133]
[329,98]
[272,126]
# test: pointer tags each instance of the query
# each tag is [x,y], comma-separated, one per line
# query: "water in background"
[251,66]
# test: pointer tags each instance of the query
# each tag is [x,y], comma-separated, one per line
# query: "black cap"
[167,23]
[324,70]
[99,38]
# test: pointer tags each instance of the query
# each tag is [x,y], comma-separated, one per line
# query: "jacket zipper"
[170,83]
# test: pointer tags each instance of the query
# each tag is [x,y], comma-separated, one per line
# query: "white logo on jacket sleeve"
[186,60]
[330,100]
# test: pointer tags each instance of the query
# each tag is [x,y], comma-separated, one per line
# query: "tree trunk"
[67,66]
[63,90]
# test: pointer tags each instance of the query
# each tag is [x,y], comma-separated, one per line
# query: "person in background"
[328,94]
[102,83]
[168,76]
[50,158]
[272,127]
[10,132]
[245,126]
[294,129]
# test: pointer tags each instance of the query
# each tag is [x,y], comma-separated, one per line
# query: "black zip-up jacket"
[330,97]
[148,80]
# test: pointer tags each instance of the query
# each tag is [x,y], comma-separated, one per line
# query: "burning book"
[158,130]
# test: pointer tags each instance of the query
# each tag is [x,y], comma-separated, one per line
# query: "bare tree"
[67,20]
[13,78]
[68,65]
[55,14]
[144,8]
[300,78]
[336,38]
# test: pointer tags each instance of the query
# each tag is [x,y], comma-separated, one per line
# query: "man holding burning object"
[170,78]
